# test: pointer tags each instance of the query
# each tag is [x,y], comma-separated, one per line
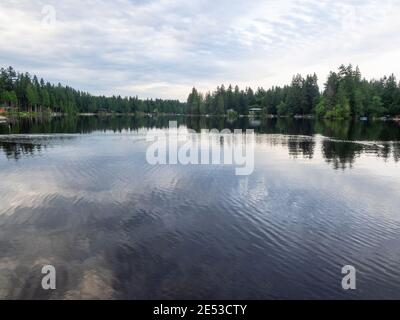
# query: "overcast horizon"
[161,49]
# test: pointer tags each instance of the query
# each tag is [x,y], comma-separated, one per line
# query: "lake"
[78,194]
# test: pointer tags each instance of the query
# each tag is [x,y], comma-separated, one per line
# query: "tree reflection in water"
[342,141]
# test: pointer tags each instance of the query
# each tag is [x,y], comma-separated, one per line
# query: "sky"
[162,48]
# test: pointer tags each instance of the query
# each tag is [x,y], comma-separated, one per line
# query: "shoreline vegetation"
[7,117]
[346,95]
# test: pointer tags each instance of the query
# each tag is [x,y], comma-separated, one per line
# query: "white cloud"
[162,48]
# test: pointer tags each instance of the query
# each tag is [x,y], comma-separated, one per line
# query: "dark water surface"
[78,193]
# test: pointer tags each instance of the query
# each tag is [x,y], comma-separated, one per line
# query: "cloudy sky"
[162,48]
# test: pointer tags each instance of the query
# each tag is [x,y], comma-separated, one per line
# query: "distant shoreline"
[5,117]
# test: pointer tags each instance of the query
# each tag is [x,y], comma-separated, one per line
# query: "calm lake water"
[78,193]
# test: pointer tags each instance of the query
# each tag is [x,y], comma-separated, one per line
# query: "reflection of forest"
[14,150]
[301,146]
[14,147]
[341,154]
[347,139]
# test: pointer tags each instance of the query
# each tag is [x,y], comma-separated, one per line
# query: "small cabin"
[255,111]
[5,108]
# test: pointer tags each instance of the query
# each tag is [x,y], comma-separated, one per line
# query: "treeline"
[346,94]
[26,93]
[301,97]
